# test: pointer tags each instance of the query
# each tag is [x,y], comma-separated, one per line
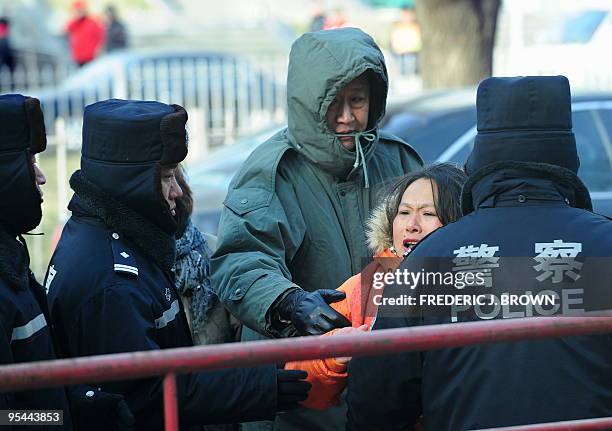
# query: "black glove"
[291,388]
[310,313]
[107,411]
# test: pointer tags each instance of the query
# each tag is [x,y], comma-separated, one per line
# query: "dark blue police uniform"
[110,281]
[529,231]
[25,335]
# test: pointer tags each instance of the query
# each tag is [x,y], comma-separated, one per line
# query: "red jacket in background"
[85,37]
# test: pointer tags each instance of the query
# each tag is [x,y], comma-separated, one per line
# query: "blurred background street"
[225,62]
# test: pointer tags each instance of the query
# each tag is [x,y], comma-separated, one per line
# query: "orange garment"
[328,376]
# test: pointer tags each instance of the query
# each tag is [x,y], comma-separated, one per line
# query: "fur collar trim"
[379,231]
[151,240]
[14,261]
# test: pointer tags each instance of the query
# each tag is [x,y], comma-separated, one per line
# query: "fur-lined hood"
[379,231]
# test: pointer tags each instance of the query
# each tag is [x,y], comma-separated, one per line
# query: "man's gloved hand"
[291,388]
[105,410]
[310,312]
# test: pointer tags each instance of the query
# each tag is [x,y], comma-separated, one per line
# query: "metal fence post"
[171,421]
[61,137]
[120,88]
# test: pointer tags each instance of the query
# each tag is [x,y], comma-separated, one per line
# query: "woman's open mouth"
[409,244]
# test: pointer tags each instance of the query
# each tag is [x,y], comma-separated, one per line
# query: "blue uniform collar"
[507,181]
[510,189]
[122,220]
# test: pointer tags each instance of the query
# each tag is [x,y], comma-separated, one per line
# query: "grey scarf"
[192,270]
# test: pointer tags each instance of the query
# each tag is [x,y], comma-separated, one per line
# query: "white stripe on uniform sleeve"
[29,329]
[168,316]
[126,268]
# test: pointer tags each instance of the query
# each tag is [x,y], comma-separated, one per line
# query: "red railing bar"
[171,419]
[124,366]
[578,425]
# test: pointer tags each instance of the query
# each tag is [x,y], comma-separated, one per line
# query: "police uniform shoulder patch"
[123,259]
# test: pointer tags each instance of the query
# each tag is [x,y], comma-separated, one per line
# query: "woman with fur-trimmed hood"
[417,204]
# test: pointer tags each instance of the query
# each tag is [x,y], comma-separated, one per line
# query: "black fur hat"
[129,131]
[524,119]
[525,123]
[125,145]
[22,124]
[22,134]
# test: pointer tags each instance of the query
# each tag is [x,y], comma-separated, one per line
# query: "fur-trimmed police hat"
[524,119]
[21,124]
[525,123]
[125,145]
[132,131]
[22,134]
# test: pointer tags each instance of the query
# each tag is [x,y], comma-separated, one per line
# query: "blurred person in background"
[337,19]
[416,205]
[7,57]
[85,34]
[528,223]
[116,35]
[25,330]
[110,284]
[406,40]
[293,222]
[317,21]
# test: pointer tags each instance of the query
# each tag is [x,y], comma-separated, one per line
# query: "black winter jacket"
[107,296]
[518,219]
[25,335]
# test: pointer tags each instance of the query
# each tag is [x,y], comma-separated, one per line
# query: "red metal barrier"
[124,366]
[171,419]
[182,360]
[580,425]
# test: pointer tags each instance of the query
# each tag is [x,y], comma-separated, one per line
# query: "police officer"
[528,229]
[25,335]
[110,283]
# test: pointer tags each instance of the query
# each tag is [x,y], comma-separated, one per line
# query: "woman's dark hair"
[184,204]
[448,180]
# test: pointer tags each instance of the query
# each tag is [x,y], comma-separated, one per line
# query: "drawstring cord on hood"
[25,247]
[359,156]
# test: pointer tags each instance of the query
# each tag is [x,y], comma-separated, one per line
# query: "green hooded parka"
[294,214]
